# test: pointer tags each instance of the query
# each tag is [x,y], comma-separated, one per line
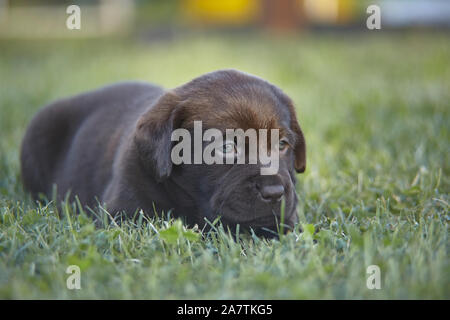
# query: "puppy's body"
[75,143]
[113,145]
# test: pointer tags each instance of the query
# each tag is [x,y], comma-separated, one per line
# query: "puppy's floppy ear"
[300,145]
[299,148]
[153,136]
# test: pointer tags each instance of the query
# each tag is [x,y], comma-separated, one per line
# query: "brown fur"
[113,145]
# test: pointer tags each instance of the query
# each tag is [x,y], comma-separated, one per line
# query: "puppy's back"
[70,135]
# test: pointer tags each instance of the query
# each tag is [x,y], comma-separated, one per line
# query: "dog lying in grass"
[114,146]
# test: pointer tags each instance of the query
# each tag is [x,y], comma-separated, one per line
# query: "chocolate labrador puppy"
[113,146]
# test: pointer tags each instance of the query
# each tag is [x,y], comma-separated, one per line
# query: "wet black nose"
[272,192]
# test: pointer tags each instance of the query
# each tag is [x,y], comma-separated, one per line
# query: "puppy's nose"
[272,192]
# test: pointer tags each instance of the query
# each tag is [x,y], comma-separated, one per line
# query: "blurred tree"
[283,14]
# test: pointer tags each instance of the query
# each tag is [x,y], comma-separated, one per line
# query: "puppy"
[113,146]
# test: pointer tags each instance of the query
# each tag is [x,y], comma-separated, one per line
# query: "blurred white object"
[98,18]
[415,12]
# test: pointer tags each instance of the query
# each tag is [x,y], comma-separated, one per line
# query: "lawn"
[375,110]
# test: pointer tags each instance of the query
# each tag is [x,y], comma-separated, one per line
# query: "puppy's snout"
[271,192]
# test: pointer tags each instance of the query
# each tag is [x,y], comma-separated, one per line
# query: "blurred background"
[44,18]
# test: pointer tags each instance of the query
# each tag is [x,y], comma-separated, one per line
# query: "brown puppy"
[113,145]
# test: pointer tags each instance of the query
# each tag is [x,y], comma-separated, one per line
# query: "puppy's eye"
[283,145]
[228,147]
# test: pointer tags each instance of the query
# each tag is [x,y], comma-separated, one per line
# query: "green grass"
[375,112]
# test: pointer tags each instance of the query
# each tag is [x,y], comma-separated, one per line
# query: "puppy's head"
[238,193]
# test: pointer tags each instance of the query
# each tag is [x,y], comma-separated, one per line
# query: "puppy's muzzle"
[271,193]
[270,189]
